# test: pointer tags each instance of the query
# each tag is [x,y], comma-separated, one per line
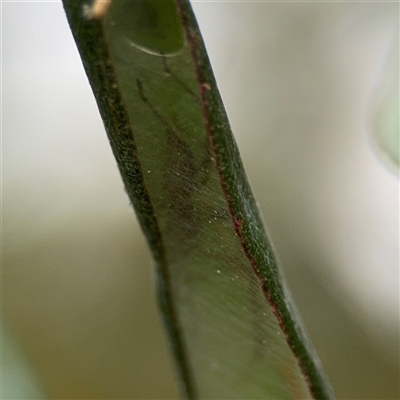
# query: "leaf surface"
[230,320]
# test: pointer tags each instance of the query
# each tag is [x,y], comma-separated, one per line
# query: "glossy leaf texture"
[232,327]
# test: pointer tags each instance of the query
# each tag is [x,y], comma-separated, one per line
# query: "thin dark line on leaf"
[178,80]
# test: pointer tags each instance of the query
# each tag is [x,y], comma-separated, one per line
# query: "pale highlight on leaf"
[97,10]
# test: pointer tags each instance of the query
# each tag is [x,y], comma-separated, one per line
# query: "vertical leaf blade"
[233,331]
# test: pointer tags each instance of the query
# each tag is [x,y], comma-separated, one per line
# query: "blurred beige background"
[299,81]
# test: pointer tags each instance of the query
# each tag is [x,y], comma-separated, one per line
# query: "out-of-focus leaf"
[18,379]
[385,124]
[233,330]
[386,127]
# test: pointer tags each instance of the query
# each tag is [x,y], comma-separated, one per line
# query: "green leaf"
[386,110]
[233,330]
[18,379]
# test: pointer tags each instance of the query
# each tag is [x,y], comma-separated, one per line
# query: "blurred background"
[302,83]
